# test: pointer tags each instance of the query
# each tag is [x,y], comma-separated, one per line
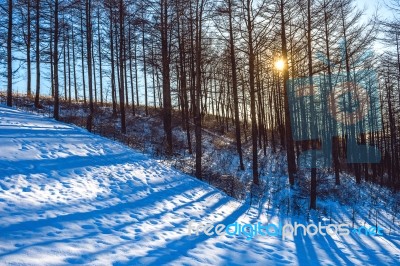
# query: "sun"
[280,64]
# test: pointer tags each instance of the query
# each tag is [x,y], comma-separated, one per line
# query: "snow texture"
[70,197]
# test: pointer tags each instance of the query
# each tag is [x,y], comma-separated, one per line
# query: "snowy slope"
[70,197]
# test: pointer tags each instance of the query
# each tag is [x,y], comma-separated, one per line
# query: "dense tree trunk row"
[197,59]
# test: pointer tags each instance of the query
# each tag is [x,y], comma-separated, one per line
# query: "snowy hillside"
[70,197]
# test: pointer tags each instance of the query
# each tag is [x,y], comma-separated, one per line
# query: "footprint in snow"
[27,189]
[66,185]
[75,261]
[4,187]
[87,226]
[125,238]
[52,234]
[106,231]
[58,226]
[277,256]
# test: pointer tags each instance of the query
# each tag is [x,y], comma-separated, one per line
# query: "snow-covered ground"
[70,197]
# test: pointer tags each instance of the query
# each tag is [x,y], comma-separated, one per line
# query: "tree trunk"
[37,28]
[144,68]
[9,55]
[335,139]
[252,93]
[83,60]
[55,61]
[113,88]
[69,69]
[121,66]
[291,159]
[313,185]
[28,52]
[166,78]
[100,62]
[197,117]
[130,69]
[234,88]
[89,63]
[74,65]
[136,74]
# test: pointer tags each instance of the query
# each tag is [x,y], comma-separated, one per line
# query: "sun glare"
[279,64]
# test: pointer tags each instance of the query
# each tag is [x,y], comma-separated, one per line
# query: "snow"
[70,197]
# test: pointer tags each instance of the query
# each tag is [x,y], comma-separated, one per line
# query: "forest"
[200,132]
[237,62]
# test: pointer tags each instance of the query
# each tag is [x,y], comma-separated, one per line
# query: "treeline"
[229,58]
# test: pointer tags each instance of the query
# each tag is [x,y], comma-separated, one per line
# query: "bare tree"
[9,54]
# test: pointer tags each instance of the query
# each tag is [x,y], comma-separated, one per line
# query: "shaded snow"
[70,197]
